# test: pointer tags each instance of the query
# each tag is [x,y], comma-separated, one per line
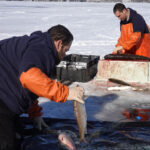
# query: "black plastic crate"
[76,67]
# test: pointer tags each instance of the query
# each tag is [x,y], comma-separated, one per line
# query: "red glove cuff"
[35,110]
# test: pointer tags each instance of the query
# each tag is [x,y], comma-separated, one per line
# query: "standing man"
[26,66]
[135,36]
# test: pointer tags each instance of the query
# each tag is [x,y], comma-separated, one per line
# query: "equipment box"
[76,67]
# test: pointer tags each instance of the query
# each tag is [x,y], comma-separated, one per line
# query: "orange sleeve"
[35,110]
[40,84]
[132,41]
[119,41]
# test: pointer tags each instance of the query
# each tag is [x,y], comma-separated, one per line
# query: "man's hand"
[76,93]
[39,123]
[118,50]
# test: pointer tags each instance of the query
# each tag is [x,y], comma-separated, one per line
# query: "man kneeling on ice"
[26,66]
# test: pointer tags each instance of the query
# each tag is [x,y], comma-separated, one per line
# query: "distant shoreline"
[123,1]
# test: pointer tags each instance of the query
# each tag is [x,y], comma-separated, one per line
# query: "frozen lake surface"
[94,26]
[95,30]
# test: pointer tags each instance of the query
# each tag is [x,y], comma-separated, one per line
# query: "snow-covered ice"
[94,26]
[95,30]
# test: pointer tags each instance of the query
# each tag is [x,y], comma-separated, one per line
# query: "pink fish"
[66,140]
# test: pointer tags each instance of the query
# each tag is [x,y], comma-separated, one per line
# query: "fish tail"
[84,140]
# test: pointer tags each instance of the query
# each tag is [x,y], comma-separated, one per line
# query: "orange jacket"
[135,37]
[38,83]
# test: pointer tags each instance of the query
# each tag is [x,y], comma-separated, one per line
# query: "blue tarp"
[101,135]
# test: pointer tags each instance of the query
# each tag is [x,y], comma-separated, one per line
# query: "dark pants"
[7,128]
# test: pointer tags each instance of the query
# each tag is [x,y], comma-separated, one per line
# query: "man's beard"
[58,59]
[61,55]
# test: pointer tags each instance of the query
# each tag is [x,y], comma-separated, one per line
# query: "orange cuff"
[35,110]
[40,84]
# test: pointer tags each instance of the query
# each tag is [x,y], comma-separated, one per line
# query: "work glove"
[39,123]
[76,93]
[118,50]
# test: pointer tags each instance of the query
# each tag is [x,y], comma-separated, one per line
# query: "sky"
[94,26]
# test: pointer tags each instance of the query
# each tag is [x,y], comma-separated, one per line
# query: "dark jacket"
[18,55]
